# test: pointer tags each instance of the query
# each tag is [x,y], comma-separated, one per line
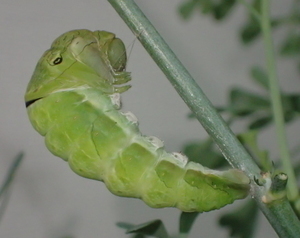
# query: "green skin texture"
[70,102]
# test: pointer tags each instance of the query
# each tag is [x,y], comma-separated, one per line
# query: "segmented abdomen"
[102,143]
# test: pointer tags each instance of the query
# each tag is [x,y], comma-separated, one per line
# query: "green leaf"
[138,236]
[260,122]
[186,9]
[291,45]
[291,106]
[205,153]
[243,102]
[260,76]
[242,221]
[294,100]
[289,116]
[222,9]
[206,6]
[250,31]
[186,222]
[153,228]
[124,225]
[257,6]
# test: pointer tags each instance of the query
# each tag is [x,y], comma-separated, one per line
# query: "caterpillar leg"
[121,78]
[122,89]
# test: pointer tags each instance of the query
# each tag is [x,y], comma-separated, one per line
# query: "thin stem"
[251,9]
[4,189]
[4,203]
[276,100]
[11,172]
[286,225]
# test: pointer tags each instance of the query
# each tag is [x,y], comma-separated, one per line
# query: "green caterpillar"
[73,99]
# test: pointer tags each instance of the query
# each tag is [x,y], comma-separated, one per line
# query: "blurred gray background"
[48,199]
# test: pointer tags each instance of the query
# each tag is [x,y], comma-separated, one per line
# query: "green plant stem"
[11,172]
[285,225]
[4,189]
[251,9]
[275,95]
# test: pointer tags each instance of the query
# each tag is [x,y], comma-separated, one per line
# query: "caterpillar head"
[79,58]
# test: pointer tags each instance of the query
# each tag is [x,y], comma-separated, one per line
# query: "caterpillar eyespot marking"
[98,141]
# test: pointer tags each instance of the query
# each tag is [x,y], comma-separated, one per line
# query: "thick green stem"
[276,100]
[191,93]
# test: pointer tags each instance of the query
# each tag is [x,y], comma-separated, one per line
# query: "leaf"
[124,225]
[291,45]
[250,31]
[153,228]
[206,6]
[186,222]
[186,9]
[257,6]
[205,153]
[291,106]
[260,76]
[294,101]
[138,236]
[243,102]
[260,122]
[242,221]
[223,8]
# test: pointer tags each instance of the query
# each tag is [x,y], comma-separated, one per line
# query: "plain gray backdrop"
[47,198]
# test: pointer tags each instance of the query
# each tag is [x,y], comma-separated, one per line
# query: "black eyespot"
[57,60]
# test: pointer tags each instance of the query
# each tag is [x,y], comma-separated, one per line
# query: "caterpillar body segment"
[73,100]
